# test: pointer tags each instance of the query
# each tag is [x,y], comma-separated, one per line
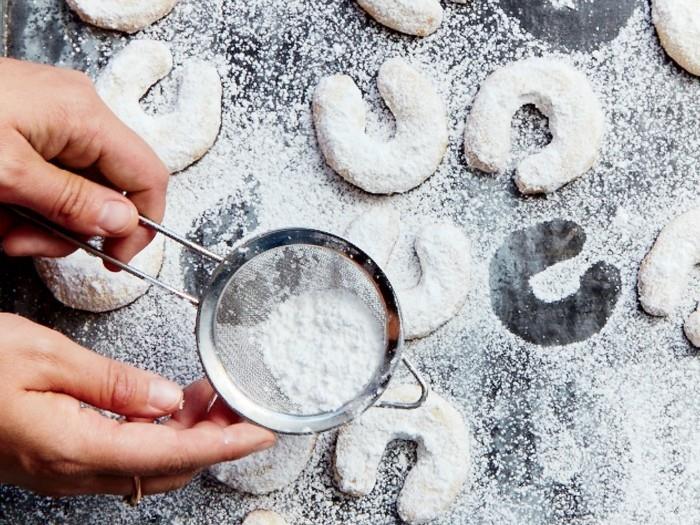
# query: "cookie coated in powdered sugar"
[443,454]
[264,517]
[561,93]
[444,255]
[678,26]
[129,16]
[405,161]
[81,281]
[179,137]
[413,17]
[268,470]
[665,271]
[376,232]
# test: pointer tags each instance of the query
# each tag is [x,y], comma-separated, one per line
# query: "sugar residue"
[322,347]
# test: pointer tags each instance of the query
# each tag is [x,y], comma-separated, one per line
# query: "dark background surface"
[512,385]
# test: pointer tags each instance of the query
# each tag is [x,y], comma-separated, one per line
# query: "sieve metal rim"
[215,369]
[351,409]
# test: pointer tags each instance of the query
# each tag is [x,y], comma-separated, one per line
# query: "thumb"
[65,198]
[103,382]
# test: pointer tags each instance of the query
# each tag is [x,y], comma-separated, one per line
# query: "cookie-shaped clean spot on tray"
[268,470]
[443,462]
[575,318]
[264,517]
[444,255]
[82,282]
[129,16]
[573,24]
[403,162]
[562,94]
[678,26]
[179,137]
[665,271]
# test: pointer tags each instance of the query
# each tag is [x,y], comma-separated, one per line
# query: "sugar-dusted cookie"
[413,17]
[122,15]
[181,136]
[444,254]
[376,232]
[81,281]
[559,91]
[264,517]
[665,271]
[268,470]
[678,26]
[400,164]
[443,462]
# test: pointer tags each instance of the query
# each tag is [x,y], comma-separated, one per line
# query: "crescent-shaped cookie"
[560,92]
[402,163]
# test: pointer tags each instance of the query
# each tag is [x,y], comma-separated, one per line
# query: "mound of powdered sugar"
[322,347]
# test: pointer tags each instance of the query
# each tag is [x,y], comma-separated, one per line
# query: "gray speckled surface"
[601,431]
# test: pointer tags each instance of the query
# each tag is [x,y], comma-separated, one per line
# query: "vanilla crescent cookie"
[376,232]
[264,517]
[443,454]
[129,16]
[181,136]
[678,26]
[400,164]
[665,271]
[82,282]
[269,470]
[413,17]
[564,95]
[444,255]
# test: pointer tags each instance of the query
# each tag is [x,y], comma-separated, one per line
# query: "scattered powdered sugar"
[322,348]
[604,431]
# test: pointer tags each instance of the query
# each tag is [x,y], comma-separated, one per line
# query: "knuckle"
[72,200]
[121,387]
[12,172]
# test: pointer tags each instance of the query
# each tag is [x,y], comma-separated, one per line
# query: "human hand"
[52,445]
[51,119]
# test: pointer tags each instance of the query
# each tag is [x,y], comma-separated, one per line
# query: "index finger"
[147,449]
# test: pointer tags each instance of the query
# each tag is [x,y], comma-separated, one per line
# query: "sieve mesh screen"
[258,287]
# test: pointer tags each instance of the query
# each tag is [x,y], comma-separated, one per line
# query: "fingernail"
[115,217]
[164,396]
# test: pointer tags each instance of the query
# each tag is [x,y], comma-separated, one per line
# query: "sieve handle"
[424,390]
[144,221]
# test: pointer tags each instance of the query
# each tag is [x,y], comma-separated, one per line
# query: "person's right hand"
[54,445]
[61,152]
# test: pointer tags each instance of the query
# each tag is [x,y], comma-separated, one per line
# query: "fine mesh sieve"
[247,286]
